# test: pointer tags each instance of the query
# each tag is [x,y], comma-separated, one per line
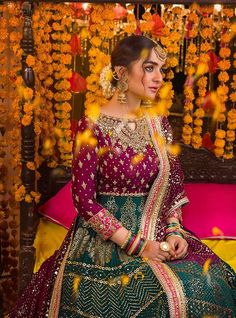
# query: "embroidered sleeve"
[84,181]
[176,197]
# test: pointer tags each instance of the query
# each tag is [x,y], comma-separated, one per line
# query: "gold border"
[56,293]
[172,287]
[158,190]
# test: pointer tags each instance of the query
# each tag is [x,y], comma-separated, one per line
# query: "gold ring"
[164,246]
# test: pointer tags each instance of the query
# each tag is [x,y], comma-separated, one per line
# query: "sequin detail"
[104,223]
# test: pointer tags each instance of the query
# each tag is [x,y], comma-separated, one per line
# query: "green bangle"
[175,233]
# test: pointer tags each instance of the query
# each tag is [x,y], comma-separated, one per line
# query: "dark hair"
[129,50]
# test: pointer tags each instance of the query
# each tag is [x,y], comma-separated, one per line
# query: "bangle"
[143,247]
[134,244]
[175,233]
[125,243]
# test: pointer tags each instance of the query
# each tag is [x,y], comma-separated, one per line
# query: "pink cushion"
[211,205]
[60,208]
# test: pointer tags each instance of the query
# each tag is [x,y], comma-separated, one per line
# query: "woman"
[127,254]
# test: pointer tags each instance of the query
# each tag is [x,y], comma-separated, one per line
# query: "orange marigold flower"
[222,90]
[220,133]
[219,143]
[223,76]
[225,37]
[219,151]
[187,130]
[224,52]
[233,97]
[199,112]
[26,120]
[188,119]
[198,122]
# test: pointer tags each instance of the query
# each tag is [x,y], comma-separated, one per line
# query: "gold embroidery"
[158,190]
[128,215]
[119,131]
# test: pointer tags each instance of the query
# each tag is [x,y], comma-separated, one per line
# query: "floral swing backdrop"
[73,42]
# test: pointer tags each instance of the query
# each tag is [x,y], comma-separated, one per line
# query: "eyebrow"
[151,62]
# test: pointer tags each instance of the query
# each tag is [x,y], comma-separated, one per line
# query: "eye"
[149,68]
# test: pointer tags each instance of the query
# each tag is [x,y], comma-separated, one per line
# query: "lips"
[153,89]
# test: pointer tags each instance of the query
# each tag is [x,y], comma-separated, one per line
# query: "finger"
[181,247]
[161,257]
[181,255]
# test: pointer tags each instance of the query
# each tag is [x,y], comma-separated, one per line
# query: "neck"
[128,109]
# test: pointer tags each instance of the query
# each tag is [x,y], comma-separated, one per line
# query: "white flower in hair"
[105,81]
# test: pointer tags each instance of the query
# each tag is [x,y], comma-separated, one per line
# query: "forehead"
[149,56]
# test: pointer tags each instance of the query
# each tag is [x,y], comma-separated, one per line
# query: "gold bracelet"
[126,240]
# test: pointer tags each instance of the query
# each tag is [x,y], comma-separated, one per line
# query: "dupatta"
[166,195]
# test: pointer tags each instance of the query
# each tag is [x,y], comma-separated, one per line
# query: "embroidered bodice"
[122,162]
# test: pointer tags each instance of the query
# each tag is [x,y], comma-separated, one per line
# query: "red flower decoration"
[77,10]
[158,25]
[206,142]
[213,63]
[119,11]
[75,45]
[189,27]
[138,29]
[78,83]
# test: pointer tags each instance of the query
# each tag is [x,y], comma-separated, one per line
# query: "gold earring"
[122,87]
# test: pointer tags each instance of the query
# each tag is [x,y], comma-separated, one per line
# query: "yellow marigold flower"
[219,143]
[220,133]
[228,155]
[228,12]
[188,119]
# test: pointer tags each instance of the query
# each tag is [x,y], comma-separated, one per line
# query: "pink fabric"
[211,205]
[60,208]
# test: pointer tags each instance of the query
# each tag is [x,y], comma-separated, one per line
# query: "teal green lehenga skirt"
[100,280]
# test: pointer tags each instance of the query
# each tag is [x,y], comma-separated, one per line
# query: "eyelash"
[151,68]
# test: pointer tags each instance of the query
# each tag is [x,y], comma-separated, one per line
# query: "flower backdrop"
[73,42]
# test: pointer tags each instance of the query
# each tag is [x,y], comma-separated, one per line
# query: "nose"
[158,76]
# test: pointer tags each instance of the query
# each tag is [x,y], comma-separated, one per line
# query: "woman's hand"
[179,246]
[153,252]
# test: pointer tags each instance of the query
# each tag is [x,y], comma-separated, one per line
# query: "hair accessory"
[160,52]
